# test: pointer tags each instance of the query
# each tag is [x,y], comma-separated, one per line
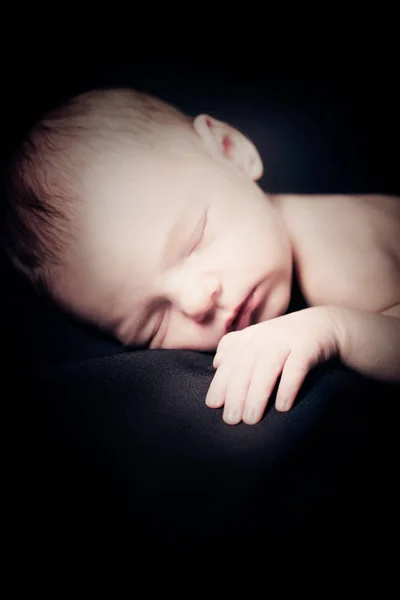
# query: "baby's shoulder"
[365,214]
[347,249]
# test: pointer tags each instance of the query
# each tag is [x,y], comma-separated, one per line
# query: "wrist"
[339,331]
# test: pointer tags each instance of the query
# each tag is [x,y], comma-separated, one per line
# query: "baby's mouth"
[243,315]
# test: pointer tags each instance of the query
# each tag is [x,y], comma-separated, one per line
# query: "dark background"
[94,450]
[343,103]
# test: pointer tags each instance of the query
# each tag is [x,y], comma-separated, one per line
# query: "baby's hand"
[249,362]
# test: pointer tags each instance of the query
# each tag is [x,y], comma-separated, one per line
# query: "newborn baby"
[151,225]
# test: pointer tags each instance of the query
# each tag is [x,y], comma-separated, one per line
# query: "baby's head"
[145,222]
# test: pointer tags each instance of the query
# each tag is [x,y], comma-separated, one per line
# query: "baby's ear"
[223,139]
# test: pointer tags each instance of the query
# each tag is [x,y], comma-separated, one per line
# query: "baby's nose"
[200,300]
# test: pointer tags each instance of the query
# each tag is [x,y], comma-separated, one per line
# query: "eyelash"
[203,227]
[197,243]
[158,326]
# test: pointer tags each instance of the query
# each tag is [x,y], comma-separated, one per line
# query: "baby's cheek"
[185,334]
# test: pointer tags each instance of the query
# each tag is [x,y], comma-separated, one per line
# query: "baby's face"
[170,247]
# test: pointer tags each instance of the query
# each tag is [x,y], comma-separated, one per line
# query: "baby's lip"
[241,316]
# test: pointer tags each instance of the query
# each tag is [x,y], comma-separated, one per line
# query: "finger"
[237,388]
[260,389]
[215,397]
[293,374]
[217,360]
[225,342]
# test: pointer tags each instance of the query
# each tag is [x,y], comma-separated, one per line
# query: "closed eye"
[155,339]
[199,233]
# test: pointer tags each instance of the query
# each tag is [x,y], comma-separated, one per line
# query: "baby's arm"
[370,342]
[250,361]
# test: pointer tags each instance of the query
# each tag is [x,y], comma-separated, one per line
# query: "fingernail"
[231,416]
[250,416]
[282,405]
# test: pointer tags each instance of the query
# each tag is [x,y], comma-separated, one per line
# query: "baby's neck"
[287,206]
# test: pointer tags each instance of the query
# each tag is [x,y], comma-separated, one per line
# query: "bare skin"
[188,252]
[348,249]
[348,261]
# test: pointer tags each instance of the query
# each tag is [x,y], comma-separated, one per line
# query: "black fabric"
[109,444]
[123,445]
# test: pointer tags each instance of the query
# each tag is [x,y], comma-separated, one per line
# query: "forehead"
[132,203]
[148,187]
